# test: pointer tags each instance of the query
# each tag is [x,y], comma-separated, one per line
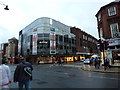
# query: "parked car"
[87,61]
[82,60]
[91,60]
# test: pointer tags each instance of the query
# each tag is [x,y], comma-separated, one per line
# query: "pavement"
[87,67]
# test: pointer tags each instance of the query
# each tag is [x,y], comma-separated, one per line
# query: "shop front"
[51,58]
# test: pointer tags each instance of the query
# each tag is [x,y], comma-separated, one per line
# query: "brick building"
[3,47]
[85,43]
[12,47]
[108,19]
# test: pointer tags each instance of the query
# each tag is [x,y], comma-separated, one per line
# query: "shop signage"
[52,41]
[113,42]
[34,49]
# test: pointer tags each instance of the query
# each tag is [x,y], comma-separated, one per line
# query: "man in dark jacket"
[22,75]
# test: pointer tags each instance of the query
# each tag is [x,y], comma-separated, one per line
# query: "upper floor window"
[99,17]
[114,30]
[84,37]
[101,33]
[60,38]
[112,11]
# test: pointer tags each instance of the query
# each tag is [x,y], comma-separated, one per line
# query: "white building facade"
[46,36]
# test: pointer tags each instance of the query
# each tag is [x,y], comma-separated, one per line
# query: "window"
[69,40]
[40,35]
[73,41]
[80,41]
[51,21]
[46,35]
[86,37]
[112,11]
[114,30]
[56,37]
[101,33]
[83,36]
[60,38]
[99,17]
[60,46]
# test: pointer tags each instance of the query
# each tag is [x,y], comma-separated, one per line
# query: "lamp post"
[6,6]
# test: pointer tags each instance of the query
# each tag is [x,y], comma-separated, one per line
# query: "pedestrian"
[23,74]
[106,63]
[61,60]
[98,63]
[5,75]
[95,62]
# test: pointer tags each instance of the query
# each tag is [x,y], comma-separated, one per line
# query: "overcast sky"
[78,13]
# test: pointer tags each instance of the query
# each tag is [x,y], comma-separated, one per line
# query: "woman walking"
[5,75]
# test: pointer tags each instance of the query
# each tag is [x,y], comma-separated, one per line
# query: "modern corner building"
[46,37]
[108,19]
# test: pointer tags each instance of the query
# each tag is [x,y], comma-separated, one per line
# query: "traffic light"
[101,45]
[106,45]
[102,42]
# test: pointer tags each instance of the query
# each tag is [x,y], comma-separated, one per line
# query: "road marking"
[103,77]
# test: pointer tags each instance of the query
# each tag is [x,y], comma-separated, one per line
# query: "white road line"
[103,77]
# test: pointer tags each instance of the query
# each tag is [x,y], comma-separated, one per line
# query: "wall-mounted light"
[6,6]
[43,42]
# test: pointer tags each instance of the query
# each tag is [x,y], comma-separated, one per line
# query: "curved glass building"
[46,37]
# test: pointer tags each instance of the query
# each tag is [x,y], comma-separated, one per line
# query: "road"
[50,76]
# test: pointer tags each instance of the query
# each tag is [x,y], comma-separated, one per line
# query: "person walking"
[106,63]
[23,74]
[5,75]
[95,62]
[98,62]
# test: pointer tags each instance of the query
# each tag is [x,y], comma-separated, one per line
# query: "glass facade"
[44,36]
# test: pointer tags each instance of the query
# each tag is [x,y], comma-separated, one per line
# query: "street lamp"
[6,6]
